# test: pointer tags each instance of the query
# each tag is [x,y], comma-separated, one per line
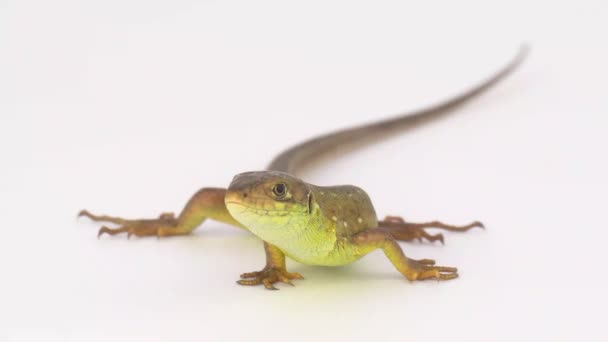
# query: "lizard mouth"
[259,209]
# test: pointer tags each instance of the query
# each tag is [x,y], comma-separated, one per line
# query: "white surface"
[128,107]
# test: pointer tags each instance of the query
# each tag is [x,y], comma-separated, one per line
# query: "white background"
[128,107]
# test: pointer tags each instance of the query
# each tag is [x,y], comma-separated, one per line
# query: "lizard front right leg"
[206,203]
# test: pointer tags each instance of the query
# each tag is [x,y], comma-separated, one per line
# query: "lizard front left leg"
[407,231]
[206,203]
[412,269]
[274,271]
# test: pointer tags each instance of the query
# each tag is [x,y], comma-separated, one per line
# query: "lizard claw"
[268,277]
[426,269]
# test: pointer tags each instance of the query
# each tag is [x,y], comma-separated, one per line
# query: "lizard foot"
[426,269]
[164,225]
[406,231]
[269,276]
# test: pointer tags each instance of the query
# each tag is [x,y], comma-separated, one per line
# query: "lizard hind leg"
[165,224]
[105,218]
[204,204]
[408,231]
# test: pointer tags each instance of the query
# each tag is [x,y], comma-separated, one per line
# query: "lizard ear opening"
[310,203]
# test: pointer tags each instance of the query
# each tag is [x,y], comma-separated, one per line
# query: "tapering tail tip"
[522,54]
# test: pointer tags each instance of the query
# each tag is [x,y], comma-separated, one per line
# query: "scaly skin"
[314,225]
[327,226]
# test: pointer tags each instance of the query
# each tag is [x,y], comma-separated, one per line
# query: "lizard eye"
[279,190]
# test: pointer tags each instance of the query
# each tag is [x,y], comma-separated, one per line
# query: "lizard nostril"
[244,195]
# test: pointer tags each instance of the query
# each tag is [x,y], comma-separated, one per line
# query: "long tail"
[296,156]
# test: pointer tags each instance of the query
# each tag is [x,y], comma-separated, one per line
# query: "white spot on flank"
[360,220]
[350,195]
[345,224]
[334,218]
[322,193]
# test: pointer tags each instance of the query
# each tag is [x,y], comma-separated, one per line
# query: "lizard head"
[269,203]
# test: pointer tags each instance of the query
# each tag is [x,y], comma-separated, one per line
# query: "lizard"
[314,225]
